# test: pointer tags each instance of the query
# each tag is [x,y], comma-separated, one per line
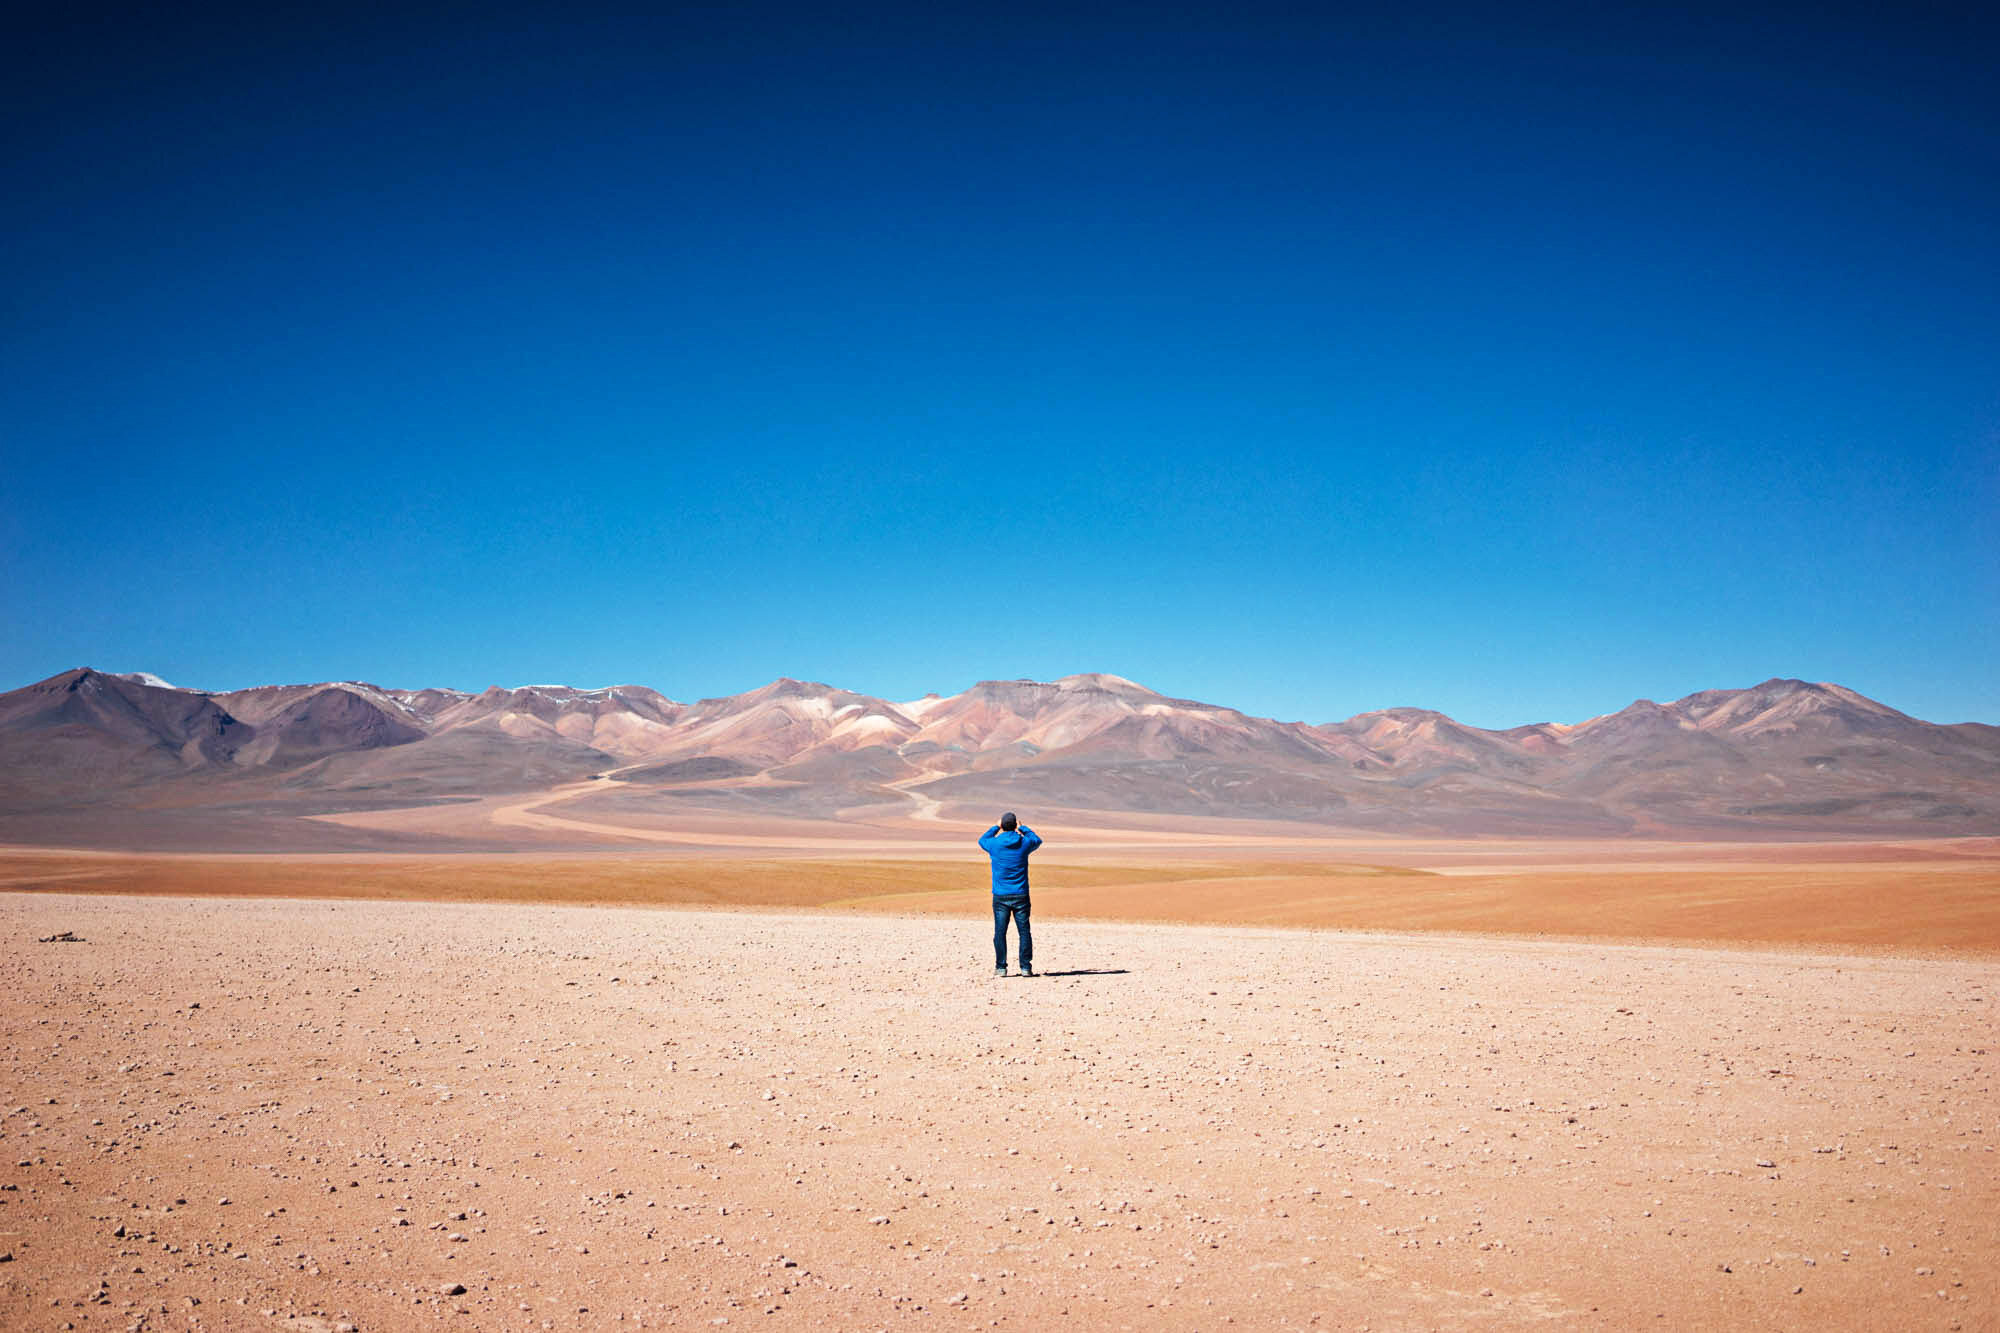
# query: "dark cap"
[1008,822]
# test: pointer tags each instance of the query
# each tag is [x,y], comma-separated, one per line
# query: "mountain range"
[90,750]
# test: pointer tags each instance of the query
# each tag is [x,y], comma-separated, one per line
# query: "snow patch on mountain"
[148,678]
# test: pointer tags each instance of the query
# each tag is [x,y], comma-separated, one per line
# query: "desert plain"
[758,1073]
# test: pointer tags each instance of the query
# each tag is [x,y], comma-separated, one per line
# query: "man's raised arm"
[1034,838]
[986,838]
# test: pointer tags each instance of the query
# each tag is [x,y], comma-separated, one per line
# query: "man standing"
[1009,844]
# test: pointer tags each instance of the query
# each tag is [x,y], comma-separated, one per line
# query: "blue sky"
[1511,362]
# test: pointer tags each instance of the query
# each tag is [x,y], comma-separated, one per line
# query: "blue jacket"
[1010,857]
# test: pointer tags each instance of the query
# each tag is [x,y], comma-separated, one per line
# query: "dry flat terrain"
[1940,896]
[302,1114]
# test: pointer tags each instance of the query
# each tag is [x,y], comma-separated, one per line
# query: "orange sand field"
[307,1116]
[1898,897]
[764,1076]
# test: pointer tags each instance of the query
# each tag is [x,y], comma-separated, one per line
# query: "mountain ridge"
[1781,754]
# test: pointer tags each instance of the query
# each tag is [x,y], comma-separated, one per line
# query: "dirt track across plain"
[290,1114]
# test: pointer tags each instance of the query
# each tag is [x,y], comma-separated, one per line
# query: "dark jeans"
[1013,905]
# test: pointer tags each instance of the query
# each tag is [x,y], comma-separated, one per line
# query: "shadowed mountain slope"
[84,733]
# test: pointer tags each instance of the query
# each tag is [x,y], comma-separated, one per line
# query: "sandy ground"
[290,1114]
[1939,898]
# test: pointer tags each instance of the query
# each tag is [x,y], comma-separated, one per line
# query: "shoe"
[1027,971]
[999,973]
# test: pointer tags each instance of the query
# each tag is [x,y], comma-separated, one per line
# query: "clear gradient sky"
[1506,360]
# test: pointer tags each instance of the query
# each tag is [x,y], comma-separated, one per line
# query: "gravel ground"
[287,1114]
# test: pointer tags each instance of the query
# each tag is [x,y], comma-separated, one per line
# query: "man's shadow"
[1089,972]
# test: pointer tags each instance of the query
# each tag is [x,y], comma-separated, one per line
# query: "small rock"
[1765,1162]
[452,1289]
